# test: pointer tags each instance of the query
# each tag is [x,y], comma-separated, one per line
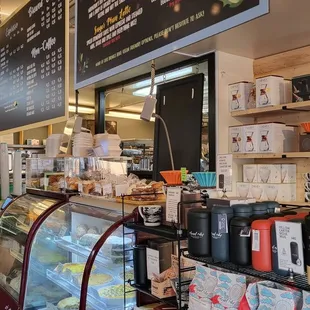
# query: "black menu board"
[116,35]
[32,65]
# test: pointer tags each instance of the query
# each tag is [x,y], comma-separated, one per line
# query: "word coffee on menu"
[32,64]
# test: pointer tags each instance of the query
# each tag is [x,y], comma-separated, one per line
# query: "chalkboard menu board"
[116,35]
[32,65]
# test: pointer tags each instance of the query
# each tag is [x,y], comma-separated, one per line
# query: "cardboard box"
[236,139]
[243,190]
[273,192]
[286,92]
[288,173]
[288,192]
[162,289]
[269,174]
[238,94]
[268,91]
[257,191]
[291,137]
[251,104]
[271,138]
[212,202]
[250,174]
[301,88]
[250,138]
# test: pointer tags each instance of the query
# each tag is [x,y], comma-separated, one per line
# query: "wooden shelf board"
[295,203]
[279,109]
[271,155]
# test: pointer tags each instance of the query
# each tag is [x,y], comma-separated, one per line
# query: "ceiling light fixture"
[165,77]
[82,109]
[126,115]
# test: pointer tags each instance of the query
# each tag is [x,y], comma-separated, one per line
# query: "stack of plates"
[53,143]
[107,145]
[82,142]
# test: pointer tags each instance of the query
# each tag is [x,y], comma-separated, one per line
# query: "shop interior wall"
[229,69]
[289,64]
[232,69]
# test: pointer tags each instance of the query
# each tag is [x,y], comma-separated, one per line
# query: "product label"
[172,204]
[107,189]
[152,263]
[255,240]
[80,187]
[245,232]
[98,188]
[222,224]
[290,246]
[196,234]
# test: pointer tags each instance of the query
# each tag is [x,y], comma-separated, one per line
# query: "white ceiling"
[286,27]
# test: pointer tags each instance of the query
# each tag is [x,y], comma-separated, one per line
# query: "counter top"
[104,204]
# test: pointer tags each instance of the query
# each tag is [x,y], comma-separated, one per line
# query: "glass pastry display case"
[45,245]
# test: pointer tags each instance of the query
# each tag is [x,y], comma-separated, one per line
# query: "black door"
[179,103]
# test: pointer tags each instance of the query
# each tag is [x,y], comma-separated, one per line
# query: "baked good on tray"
[96,279]
[72,267]
[89,240]
[116,292]
[142,192]
[71,303]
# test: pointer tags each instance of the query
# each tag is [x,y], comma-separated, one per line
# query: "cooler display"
[50,275]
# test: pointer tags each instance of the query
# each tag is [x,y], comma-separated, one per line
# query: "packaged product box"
[286,92]
[291,139]
[287,192]
[251,139]
[236,139]
[243,190]
[271,138]
[251,104]
[301,88]
[161,285]
[268,91]
[257,191]
[288,173]
[272,192]
[213,202]
[250,173]
[238,94]
[269,174]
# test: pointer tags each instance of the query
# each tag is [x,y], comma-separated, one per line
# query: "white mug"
[306,176]
[151,215]
[307,186]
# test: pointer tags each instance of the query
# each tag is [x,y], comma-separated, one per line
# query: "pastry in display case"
[45,244]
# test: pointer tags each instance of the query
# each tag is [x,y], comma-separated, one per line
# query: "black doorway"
[179,103]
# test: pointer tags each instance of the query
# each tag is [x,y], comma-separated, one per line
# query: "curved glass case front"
[15,224]
[59,252]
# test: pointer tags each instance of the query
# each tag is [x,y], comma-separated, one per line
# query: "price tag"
[98,188]
[80,187]
[172,203]
[256,240]
[183,174]
[107,189]
[222,224]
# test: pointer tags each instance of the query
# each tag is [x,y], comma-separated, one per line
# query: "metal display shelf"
[65,243]
[73,290]
[299,281]
[169,301]
[167,232]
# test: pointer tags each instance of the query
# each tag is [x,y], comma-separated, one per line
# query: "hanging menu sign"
[33,65]
[116,35]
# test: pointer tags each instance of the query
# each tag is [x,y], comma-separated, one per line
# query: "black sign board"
[116,35]
[32,65]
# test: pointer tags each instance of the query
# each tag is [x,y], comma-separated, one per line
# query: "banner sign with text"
[33,65]
[115,35]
